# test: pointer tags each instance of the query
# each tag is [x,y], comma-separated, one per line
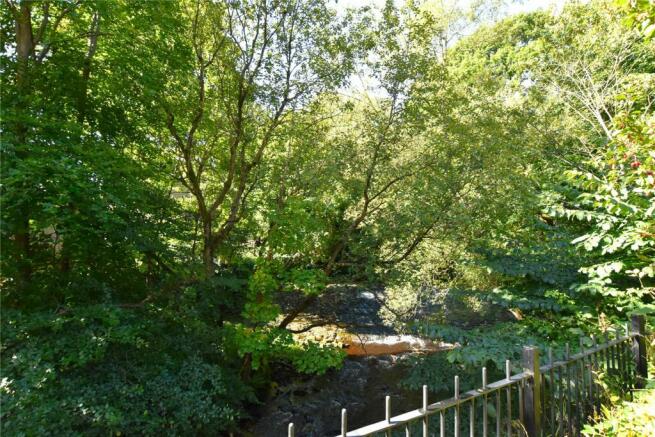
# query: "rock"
[367,295]
[314,404]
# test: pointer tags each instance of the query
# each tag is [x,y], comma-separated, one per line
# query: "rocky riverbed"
[363,322]
[314,403]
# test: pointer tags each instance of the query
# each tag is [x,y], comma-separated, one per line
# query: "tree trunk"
[208,247]
[24,49]
[65,265]
[86,68]
[24,45]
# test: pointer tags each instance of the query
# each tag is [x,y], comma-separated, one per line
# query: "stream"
[314,403]
[373,369]
[376,364]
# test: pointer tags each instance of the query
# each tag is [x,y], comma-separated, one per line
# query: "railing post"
[387,413]
[426,419]
[639,350]
[532,397]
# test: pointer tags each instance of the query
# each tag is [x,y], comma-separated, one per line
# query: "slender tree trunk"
[24,49]
[66,263]
[208,247]
[24,45]
[86,67]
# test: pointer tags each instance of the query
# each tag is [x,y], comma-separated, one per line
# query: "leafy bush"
[616,198]
[265,345]
[99,369]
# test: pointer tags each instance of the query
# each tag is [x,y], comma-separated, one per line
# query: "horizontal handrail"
[586,353]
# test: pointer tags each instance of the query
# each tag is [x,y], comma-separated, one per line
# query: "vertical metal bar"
[344,422]
[582,378]
[498,413]
[622,363]
[509,411]
[485,430]
[613,364]
[602,360]
[544,402]
[606,353]
[519,390]
[472,418]
[632,369]
[594,370]
[425,411]
[619,359]
[590,382]
[407,430]
[626,367]
[457,406]
[442,423]
[577,371]
[563,418]
[387,412]
[291,430]
[599,359]
[508,375]
[553,393]
[569,399]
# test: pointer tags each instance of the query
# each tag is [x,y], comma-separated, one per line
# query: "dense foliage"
[182,181]
[630,418]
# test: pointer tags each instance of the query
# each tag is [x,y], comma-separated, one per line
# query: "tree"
[80,198]
[253,63]
[616,195]
[399,168]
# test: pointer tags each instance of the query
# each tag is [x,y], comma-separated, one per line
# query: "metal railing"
[554,399]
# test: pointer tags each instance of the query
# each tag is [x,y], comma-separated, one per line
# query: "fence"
[544,400]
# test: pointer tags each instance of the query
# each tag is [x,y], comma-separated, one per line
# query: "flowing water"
[374,368]
[376,364]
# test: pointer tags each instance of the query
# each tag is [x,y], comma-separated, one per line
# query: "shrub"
[102,369]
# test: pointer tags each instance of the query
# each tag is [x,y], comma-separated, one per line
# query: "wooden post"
[639,350]
[532,397]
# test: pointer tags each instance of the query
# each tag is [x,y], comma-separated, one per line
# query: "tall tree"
[253,63]
[74,181]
